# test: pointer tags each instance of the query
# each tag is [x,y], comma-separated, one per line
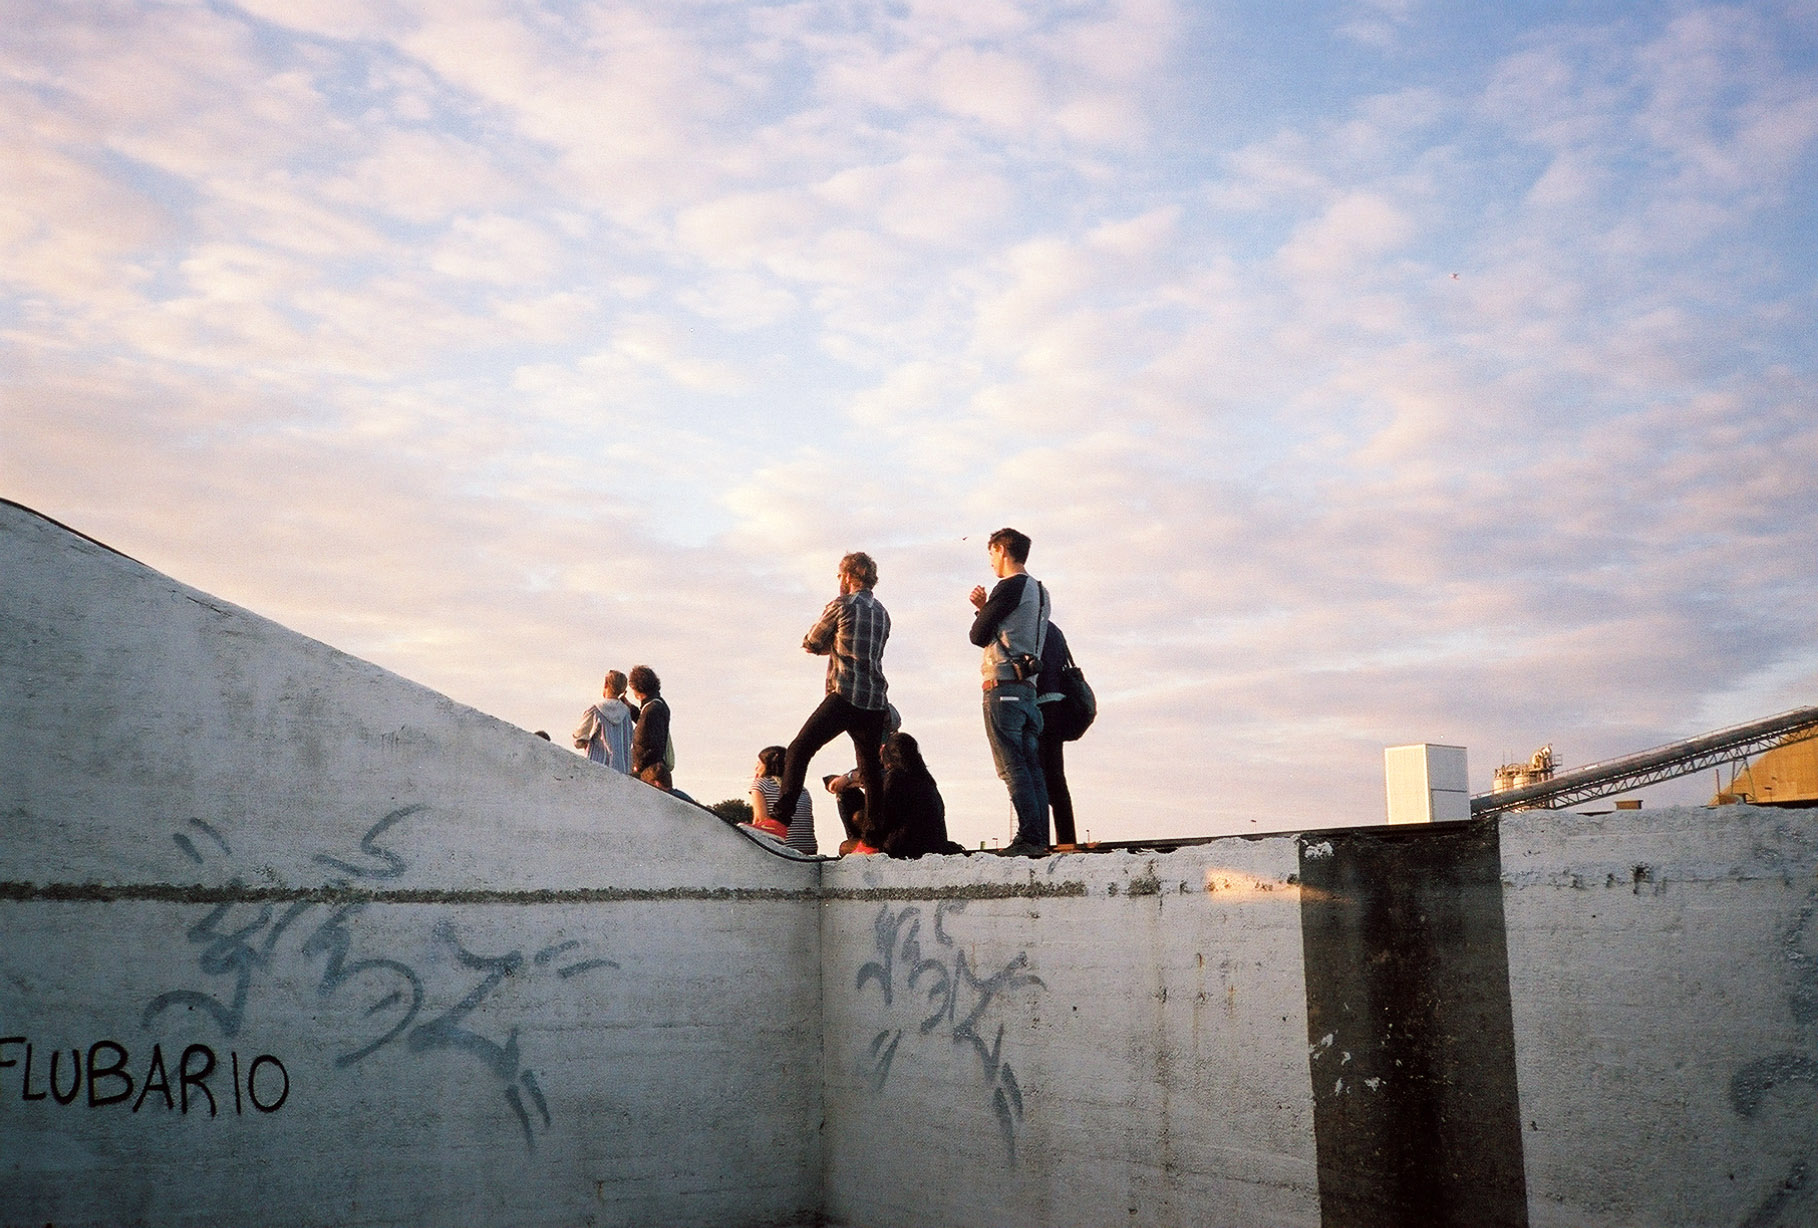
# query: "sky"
[1365,373]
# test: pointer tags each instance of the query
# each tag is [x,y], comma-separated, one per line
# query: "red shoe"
[770,827]
[860,848]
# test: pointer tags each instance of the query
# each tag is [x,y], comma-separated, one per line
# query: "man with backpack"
[1011,626]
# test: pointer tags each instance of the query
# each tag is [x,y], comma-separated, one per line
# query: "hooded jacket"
[606,732]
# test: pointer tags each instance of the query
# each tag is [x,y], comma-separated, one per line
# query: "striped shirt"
[851,634]
[801,826]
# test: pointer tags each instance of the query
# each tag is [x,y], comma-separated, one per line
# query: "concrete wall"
[1558,1020]
[1664,973]
[328,949]
[502,984]
[1089,1039]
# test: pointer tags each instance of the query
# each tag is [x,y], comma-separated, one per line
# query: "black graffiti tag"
[394,991]
[227,951]
[945,992]
[503,1060]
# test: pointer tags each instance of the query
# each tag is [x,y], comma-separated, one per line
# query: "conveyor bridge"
[1594,780]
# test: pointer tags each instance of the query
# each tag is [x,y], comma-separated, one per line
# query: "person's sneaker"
[770,827]
[1022,848]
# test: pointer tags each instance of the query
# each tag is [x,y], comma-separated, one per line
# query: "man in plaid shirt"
[850,634]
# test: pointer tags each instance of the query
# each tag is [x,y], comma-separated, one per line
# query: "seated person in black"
[911,818]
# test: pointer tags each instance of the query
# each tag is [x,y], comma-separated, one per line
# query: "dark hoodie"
[912,821]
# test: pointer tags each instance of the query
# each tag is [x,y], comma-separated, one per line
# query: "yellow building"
[1785,775]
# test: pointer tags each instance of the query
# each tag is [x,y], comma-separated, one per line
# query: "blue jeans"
[1013,726]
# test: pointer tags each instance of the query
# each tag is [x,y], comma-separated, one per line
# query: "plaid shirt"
[851,634]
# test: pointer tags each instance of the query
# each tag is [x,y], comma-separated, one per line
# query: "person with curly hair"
[650,738]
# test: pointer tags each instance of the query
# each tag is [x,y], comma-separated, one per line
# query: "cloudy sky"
[1366,373]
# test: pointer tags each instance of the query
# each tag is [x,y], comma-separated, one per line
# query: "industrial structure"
[1785,775]
[1537,769]
[1792,777]
[1427,783]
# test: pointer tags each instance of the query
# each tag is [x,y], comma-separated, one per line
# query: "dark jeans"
[1054,775]
[1013,727]
[835,716]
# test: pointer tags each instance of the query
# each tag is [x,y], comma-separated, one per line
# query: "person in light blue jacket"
[605,732]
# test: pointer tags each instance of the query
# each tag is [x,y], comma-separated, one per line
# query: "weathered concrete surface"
[1089,1039]
[1663,968]
[326,948]
[1554,1020]
[502,984]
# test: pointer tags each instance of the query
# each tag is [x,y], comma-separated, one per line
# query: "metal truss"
[1596,780]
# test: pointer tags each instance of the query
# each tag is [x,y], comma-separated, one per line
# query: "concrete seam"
[238,893]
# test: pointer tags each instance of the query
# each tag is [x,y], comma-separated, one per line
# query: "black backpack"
[1073,713]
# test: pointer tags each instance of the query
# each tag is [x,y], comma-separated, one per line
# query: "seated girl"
[797,830]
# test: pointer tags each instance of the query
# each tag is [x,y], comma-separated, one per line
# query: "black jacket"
[914,818]
[650,739]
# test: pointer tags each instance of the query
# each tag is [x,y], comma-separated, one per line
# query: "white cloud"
[488,332]
[923,199]
[625,100]
[1125,43]
[423,177]
[660,345]
[185,90]
[1046,276]
[740,303]
[746,228]
[1080,74]
[1570,179]
[69,232]
[998,90]
[561,316]
[1542,97]
[968,20]
[1720,103]
[1357,227]
[278,210]
[496,249]
[336,19]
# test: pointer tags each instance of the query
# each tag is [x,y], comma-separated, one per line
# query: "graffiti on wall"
[934,990]
[263,1082]
[392,1001]
[1751,1086]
